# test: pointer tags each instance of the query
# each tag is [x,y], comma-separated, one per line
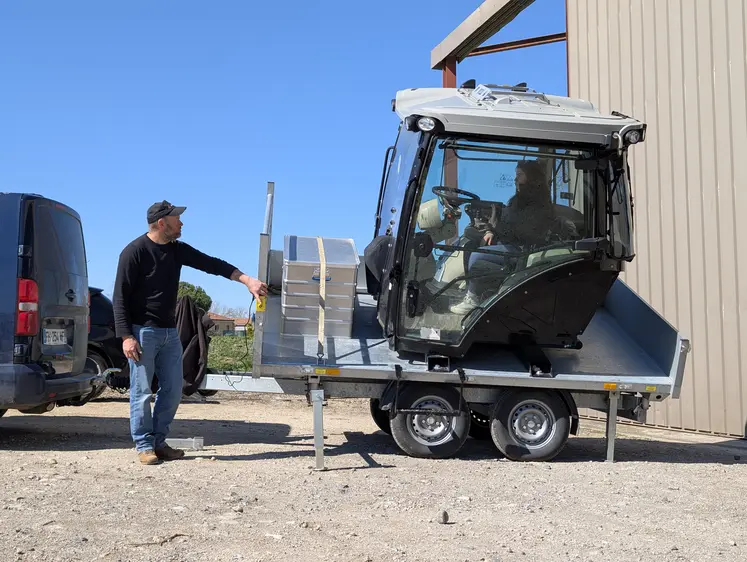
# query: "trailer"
[524,387]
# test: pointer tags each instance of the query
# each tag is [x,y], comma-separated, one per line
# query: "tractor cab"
[504,218]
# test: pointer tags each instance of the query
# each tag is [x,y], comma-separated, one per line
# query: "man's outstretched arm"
[191,257]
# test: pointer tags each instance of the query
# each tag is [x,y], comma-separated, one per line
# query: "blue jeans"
[473,285]
[161,354]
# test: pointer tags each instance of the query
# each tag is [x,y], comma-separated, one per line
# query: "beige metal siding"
[681,66]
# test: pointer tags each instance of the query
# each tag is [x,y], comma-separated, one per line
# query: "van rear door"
[10,208]
[61,273]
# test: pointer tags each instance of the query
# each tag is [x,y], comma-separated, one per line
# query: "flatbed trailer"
[631,356]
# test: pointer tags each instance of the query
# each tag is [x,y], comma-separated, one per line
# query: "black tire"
[206,393]
[449,433]
[380,417]
[98,364]
[530,425]
[479,427]
[2,413]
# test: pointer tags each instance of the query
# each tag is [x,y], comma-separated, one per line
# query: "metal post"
[612,426]
[449,73]
[317,400]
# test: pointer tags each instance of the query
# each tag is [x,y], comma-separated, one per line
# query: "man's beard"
[172,235]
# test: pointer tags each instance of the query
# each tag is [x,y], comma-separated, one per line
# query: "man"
[145,295]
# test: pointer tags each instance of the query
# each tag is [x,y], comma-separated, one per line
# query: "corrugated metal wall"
[681,66]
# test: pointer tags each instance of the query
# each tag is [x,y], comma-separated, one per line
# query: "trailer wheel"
[530,425]
[380,417]
[428,435]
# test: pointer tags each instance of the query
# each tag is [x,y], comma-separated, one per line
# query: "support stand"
[612,425]
[317,401]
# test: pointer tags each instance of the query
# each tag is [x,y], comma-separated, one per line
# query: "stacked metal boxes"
[301,278]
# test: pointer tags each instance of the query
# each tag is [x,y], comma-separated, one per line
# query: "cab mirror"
[591,164]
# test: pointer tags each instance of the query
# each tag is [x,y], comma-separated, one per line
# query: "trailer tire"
[422,436]
[530,425]
[380,417]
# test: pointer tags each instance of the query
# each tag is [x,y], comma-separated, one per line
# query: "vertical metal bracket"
[317,400]
[263,274]
[612,425]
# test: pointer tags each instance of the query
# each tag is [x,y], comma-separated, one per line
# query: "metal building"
[680,66]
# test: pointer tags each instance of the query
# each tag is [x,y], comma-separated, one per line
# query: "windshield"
[492,215]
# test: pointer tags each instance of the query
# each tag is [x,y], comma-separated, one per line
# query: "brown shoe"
[167,453]
[148,457]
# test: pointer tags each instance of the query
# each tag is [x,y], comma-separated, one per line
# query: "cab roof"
[515,112]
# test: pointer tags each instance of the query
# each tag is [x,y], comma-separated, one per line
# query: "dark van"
[44,304]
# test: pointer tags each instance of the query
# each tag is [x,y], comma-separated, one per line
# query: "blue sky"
[109,107]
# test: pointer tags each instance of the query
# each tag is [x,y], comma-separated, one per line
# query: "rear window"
[59,239]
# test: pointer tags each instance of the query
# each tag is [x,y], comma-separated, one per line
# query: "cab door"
[391,215]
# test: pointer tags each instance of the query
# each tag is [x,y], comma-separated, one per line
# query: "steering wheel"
[447,194]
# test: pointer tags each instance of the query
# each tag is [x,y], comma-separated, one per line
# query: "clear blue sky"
[110,107]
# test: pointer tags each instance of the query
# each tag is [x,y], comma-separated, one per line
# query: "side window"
[398,175]
[59,240]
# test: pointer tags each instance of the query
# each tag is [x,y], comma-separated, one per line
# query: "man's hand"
[488,238]
[255,286]
[131,348]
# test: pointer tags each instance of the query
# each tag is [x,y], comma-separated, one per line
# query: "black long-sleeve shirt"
[145,291]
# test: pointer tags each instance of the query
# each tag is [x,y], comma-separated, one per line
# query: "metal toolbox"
[300,285]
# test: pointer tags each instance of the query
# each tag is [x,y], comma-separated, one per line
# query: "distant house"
[241,325]
[224,326]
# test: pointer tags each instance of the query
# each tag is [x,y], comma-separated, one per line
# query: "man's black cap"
[163,209]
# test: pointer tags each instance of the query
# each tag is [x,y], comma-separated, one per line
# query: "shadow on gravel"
[85,433]
[594,449]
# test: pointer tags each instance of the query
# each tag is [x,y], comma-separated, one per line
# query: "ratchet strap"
[322,297]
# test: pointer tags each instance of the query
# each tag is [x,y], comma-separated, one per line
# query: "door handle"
[70,295]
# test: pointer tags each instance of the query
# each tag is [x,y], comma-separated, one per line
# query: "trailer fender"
[572,408]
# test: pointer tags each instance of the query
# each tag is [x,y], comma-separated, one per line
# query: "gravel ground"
[72,490]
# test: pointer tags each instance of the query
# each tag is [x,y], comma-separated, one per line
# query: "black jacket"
[192,325]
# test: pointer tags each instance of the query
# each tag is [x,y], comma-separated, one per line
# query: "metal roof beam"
[489,18]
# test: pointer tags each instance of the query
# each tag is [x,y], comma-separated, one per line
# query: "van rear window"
[59,238]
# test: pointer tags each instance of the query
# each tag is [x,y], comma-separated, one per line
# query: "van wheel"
[530,425]
[430,435]
[380,417]
[95,363]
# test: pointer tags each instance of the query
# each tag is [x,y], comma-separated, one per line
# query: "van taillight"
[27,316]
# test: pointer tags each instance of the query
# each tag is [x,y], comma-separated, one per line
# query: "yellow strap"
[322,296]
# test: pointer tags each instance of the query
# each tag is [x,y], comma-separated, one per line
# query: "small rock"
[83,539]
[213,458]
[675,549]
[733,543]
[443,518]
[19,551]
[52,461]
[464,499]
[238,509]
[304,525]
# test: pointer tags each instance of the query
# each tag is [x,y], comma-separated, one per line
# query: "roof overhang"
[489,18]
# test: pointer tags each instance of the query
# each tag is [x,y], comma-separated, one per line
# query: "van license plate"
[55,337]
